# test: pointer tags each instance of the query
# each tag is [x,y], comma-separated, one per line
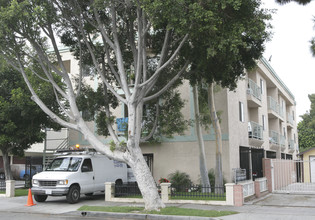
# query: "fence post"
[257,188]
[165,191]
[268,173]
[10,188]
[109,191]
[238,195]
[229,193]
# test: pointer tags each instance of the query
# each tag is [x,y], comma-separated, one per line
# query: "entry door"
[312,166]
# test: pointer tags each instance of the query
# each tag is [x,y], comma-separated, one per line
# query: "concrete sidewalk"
[273,206]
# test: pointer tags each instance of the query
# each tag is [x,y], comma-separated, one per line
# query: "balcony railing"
[273,104]
[273,137]
[255,130]
[254,89]
[291,145]
[290,119]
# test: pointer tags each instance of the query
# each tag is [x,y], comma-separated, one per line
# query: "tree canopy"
[142,48]
[306,127]
[22,122]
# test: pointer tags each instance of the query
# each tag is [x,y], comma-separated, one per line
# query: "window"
[264,122]
[241,111]
[293,115]
[87,166]
[71,164]
[261,86]
[284,133]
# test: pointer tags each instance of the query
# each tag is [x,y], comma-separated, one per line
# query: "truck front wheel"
[73,195]
[40,198]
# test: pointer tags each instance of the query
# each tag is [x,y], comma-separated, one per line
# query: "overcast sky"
[293,28]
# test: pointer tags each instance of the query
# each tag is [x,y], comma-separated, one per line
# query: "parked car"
[76,173]
[24,175]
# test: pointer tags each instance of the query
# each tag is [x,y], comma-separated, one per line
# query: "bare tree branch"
[168,85]
[154,125]
[154,77]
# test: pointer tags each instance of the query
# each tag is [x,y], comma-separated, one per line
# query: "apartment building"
[258,120]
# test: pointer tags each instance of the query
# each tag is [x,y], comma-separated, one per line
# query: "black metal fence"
[2,186]
[197,192]
[127,190]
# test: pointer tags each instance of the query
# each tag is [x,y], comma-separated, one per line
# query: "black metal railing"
[2,186]
[197,192]
[127,190]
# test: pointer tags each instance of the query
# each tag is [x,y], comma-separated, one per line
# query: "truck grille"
[47,183]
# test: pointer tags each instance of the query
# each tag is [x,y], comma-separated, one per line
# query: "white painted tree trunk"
[138,164]
[145,181]
[6,165]
[202,156]
[218,140]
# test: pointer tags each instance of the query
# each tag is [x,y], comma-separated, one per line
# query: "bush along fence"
[232,194]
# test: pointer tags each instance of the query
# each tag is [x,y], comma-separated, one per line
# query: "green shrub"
[211,175]
[179,180]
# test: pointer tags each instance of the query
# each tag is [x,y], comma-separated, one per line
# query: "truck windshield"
[71,164]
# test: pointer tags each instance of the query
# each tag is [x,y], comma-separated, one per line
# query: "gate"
[33,165]
[2,186]
[293,177]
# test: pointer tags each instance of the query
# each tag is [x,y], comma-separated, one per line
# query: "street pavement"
[272,206]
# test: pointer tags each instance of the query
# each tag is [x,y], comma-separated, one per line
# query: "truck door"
[87,176]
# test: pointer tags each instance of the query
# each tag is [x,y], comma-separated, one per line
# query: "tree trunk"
[6,165]
[218,140]
[140,169]
[145,181]
[202,156]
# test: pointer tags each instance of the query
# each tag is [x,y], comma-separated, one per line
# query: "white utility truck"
[77,172]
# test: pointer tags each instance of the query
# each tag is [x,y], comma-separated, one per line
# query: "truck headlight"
[35,182]
[62,182]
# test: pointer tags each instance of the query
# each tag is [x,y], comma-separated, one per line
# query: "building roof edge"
[273,72]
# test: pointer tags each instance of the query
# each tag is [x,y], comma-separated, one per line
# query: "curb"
[137,216]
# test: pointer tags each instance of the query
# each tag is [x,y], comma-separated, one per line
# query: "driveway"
[287,200]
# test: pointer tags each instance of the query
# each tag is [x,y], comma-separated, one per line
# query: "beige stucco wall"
[183,156]
[306,165]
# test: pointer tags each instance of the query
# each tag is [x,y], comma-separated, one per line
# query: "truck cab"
[74,173]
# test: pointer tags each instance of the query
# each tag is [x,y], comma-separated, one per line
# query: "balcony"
[274,109]
[255,134]
[290,121]
[291,146]
[274,140]
[253,95]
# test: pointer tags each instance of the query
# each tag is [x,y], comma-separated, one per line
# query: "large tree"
[235,46]
[142,40]
[306,127]
[22,122]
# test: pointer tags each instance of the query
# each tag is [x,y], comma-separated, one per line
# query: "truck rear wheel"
[73,195]
[40,198]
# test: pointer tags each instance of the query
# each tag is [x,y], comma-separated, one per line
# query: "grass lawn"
[165,211]
[18,192]
[197,198]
